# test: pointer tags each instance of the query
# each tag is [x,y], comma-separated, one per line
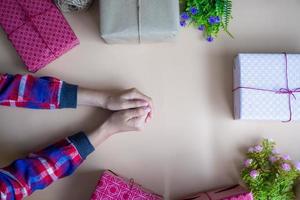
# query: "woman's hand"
[126,120]
[128,99]
[122,100]
[121,121]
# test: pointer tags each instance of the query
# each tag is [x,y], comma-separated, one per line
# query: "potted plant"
[268,174]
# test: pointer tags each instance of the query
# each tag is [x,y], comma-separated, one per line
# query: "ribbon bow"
[288,91]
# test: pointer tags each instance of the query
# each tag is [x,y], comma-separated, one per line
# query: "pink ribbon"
[286,90]
[208,196]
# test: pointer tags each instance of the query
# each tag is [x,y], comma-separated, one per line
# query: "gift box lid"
[123,21]
[235,192]
[266,86]
[38,31]
[112,186]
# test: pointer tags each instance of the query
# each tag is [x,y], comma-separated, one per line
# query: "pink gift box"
[113,187]
[236,192]
[37,29]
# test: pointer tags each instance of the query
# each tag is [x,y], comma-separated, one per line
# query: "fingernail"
[147,109]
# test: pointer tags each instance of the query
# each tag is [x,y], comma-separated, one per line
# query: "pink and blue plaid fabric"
[38,170]
[37,93]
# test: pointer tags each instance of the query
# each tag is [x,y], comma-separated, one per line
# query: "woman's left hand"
[122,100]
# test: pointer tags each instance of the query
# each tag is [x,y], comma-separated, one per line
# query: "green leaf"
[273,183]
[207,9]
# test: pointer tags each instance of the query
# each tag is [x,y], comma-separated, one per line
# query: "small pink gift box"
[113,187]
[37,29]
[236,192]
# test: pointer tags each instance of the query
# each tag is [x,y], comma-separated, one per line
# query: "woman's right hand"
[115,101]
[121,121]
[126,120]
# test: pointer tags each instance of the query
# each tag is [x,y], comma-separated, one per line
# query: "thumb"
[138,123]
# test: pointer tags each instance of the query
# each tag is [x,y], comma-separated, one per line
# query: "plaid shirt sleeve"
[36,93]
[40,169]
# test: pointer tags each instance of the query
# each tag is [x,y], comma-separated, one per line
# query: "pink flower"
[248,162]
[254,174]
[258,148]
[273,159]
[286,167]
[286,157]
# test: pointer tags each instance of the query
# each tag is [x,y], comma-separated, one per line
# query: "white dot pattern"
[266,71]
[38,31]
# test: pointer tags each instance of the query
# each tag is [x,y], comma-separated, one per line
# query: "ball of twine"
[73,5]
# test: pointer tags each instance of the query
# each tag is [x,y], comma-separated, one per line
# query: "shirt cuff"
[68,96]
[82,144]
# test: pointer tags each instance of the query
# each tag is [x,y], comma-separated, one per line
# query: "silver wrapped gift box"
[138,21]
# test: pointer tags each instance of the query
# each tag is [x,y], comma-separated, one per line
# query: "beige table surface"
[193,143]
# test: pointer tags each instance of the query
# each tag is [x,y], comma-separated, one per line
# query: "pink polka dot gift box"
[37,30]
[113,187]
[235,192]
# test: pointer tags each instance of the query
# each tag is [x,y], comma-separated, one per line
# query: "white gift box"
[267,87]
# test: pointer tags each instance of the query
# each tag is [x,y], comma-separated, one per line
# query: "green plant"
[269,175]
[209,16]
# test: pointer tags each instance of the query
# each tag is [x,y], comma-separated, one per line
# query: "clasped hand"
[131,111]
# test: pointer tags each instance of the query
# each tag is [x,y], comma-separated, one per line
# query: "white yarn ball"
[73,5]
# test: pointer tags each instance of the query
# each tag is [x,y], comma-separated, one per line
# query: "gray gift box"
[139,21]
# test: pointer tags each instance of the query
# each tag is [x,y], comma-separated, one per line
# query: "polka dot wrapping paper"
[267,87]
[37,30]
[113,187]
[236,192]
